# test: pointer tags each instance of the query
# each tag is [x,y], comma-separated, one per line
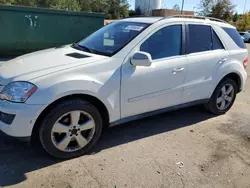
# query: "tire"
[212,105]
[60,110]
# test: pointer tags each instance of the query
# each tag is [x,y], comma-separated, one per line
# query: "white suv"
[125,71]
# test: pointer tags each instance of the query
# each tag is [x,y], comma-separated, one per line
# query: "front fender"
[54,88]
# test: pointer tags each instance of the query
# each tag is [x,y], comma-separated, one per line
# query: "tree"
[30,3]
[116,9]
[136,12]
[72,5]
[235,17]
[176,7]
[6,2]
[113,9]
[223,9]
[93,5]
[205,7]
[244,22]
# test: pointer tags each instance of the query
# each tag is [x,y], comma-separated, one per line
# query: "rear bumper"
[244,80]
[24,120]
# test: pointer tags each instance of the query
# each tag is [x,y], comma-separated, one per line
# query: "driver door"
[160,85]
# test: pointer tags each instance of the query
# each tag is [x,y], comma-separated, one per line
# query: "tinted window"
[216,42]
[200,38]
[242,33]
[235,36]
[164,43]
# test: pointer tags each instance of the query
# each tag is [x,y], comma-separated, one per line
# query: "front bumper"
[25,117]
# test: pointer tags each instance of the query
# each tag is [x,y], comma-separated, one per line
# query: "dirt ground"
[185,148]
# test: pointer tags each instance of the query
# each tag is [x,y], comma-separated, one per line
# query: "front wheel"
[70,129]
[223,97]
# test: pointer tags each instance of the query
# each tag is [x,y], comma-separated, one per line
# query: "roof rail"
[216,19]
[197,17]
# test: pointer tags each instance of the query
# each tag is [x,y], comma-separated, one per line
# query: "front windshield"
[112,38]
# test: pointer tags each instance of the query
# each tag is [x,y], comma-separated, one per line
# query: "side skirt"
[160,111]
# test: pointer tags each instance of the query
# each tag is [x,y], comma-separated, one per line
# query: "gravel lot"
[209,151]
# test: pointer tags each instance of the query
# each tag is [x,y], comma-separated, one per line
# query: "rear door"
[205,53]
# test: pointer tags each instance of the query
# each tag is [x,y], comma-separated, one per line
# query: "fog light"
[7,118]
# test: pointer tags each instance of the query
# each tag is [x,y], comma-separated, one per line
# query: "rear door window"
[199,38]
[235,36]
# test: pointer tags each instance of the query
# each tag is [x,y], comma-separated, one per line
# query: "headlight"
[18,91]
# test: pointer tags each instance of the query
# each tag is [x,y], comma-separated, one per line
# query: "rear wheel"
[71,129]
[223,97]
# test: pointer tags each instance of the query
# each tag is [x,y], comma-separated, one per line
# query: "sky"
[190,4]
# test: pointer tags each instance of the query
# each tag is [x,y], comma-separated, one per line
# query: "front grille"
[7,118]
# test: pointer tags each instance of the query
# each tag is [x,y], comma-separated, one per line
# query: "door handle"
[178,70]
[223,60]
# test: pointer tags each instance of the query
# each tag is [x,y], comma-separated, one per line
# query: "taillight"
[245,62]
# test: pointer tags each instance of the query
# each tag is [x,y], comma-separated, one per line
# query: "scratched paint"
[32,20]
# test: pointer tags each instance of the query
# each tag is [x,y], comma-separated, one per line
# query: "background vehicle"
[127,70]
[245,36]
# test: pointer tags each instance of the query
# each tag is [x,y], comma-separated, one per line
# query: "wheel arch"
[233,76]
[93,100]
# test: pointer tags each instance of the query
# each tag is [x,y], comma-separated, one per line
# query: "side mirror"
[141,59]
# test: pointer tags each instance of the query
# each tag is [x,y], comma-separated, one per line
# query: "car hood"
[36,64]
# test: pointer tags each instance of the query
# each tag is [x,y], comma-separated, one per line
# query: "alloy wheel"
[73,131]
[225,97]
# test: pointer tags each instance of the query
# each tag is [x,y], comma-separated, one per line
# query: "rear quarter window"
[235,36]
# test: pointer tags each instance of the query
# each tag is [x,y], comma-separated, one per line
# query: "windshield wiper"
[85,48]
[80,47]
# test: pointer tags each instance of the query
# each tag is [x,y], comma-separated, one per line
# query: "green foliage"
[113,9]
[236,17]
[176,7]
[6,2]
[93,5]
[205,7]
[71,5]
[223,9]
[31,3]
[116,9]
[243,22]
[136,12]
